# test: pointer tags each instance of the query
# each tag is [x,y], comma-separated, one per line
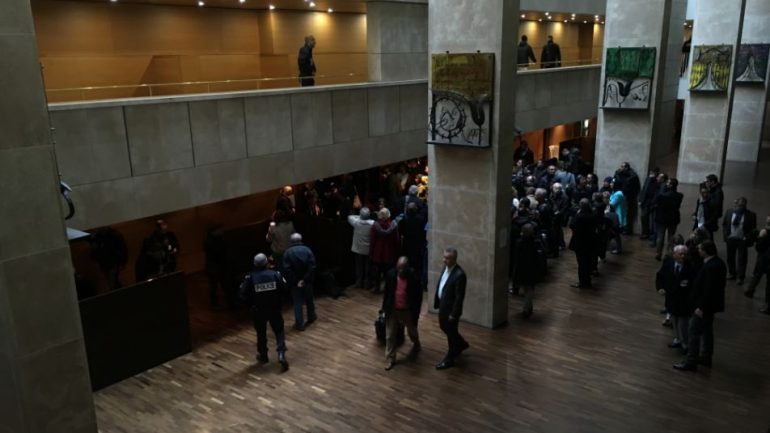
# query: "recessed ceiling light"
[602,22]
[565,21]
[113,1]
[330,10]
[548,13]
[311,4]
[271,7]
[200,3]
[585,22]
[241,1]
[522,15]
[596,16]
[549,17]
[540,20]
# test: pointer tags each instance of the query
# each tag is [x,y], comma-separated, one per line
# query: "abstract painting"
[711,68]
[462,89]
[752,63]
[628,78]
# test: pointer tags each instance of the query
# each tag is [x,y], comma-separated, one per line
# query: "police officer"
[261,291]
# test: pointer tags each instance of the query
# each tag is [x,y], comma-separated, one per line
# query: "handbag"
[379,327]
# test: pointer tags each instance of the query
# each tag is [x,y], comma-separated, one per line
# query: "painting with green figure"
[628,78]
[711,66]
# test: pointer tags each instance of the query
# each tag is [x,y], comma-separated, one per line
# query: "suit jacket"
[667,204]
[749,223]
[413,292]
[677,287]
[451,303]
[708,289]
[583,232]
[711,214]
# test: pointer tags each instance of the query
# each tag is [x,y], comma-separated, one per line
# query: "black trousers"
[305,82]
[645,217]
[455,341]
[261,319]
[586,264]
[701,337]
[761,269]
[632,209]
[737,257]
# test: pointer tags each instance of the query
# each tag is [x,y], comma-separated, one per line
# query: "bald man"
[261,291]
[401,304]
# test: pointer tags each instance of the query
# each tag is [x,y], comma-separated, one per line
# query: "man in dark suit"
[667,218]
[707,298]
[706,213]
[738,226]
[674,279]
[583,243]
[401,305]
[450,294]
[306,63]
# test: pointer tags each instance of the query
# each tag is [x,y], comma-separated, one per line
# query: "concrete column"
[44,383]
[470,197]
[397,40]
[749,104]
[633,136]
[707,115]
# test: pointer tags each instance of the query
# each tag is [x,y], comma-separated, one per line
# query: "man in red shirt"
[401,304]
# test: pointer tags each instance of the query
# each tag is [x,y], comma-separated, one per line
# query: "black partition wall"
[135,328]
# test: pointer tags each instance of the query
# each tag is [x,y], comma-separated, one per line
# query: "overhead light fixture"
[330,10]
[311,4]
[241,1]
[596,16]
[522,15]
[549,17]
[271,7]
[565,21]
[200,3]
[548,13]
[113,1]
[602,22]
[585,22]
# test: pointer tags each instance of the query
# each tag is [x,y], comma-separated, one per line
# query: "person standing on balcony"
[551,55]
[524,54]
[306,63]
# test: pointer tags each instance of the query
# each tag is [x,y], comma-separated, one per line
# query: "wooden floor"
[587,361]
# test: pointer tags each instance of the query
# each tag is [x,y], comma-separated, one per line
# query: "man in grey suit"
[450,294]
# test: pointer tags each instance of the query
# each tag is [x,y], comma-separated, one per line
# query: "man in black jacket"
[401,304]
[261,292]
[524,54]
[551,55]
[738,226]
[646,198]
[306,63]
[450,294]
[707,212]
[583,243]
[762,266]
[674,279]
[627,177]
[707,298]
[299,269]
[667,217]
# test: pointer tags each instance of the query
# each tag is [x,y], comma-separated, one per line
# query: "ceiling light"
[241,1]
[330,10]
[540,20]
[565,21]
[573,15]
[596,16]
[522,15]
[602,22]
[200,3]
[113,1]
[585,22]
[311,4]
[548,13]
[271,7]
[549,17]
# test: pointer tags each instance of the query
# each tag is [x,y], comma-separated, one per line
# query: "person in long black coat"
[583,243]
[674,279]
[528,271]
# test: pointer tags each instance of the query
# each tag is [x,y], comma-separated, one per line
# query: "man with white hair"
[674,279]
[299,271]
[560,205]
[362,226]
[261,291]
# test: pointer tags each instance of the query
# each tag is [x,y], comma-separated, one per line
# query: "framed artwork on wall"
[752,63]
[711,65]
[462,91]
[628,78]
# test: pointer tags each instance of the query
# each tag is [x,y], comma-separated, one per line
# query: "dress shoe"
[686,366]
[443,365]
[311,320]
[389,366]
[262,359]
[284,363]
[749,293]
[704,361]
[657,257]
[576,285]
[765,310]
[299,328]
[739,282]
[730,277]
[676,345]
[667,323]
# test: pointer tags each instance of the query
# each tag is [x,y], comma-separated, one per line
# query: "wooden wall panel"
[103,44]
[568,36]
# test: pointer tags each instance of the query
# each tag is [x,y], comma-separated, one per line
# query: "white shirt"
[736,231]
[444,278]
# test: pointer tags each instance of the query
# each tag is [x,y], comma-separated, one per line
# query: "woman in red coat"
[383,246]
